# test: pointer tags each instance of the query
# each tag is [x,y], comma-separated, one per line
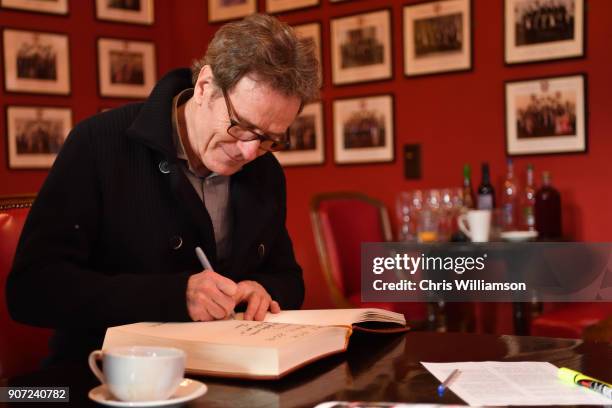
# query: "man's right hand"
[210,296]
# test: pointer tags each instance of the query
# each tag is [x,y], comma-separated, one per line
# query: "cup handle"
[461,223]
[94,356]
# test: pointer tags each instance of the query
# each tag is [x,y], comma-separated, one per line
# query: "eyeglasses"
[246,132]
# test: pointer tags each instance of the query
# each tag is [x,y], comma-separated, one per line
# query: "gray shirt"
[213,188]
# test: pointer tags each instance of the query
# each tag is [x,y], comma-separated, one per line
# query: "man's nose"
[248,149]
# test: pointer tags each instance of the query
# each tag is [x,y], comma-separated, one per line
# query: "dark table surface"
[375,368]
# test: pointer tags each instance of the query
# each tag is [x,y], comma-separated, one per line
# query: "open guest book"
[270,349]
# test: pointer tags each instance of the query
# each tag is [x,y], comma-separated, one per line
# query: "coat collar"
[255,207]
[153,125]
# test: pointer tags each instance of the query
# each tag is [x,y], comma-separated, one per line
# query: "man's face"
[254,103]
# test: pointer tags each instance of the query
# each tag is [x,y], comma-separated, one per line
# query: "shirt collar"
[183,147]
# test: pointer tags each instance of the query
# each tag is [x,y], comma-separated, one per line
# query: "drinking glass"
[406,219]
[428,225]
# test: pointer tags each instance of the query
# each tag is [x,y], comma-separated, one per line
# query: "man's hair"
[262,46]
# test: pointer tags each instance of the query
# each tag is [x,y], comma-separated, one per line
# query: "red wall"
[457,118]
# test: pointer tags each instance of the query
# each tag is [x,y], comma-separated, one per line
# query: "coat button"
[261,250]
[176,242]
[164,167]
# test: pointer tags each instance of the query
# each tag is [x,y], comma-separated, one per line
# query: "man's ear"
[204,88]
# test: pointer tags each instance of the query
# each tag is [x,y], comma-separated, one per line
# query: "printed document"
[513,383]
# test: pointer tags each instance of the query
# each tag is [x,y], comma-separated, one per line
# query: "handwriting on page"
[272,332]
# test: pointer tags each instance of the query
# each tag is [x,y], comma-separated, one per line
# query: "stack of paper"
[513,383]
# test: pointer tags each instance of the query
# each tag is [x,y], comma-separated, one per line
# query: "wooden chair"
[22,347]
[341,222]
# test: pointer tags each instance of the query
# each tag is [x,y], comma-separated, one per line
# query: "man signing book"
[110,239]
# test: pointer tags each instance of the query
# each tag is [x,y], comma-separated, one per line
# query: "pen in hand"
[442,387]
[206,265]
[203,258]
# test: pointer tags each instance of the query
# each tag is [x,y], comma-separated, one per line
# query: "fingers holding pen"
[210,296]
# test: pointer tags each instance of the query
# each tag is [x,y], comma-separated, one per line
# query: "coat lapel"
[153,128]
[253,209]
[194,210]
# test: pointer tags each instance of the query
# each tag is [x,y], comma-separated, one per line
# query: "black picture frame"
[555,128]
[40,139]
[539,46]
[362,74]
[437,62]
[14,82]
[364,154]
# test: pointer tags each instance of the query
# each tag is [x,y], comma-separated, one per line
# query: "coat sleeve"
[54,283]
[281,275]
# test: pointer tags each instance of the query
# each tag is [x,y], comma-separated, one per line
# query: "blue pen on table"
[446,383]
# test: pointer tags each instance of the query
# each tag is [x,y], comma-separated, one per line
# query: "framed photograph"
[437,37]
[222,10]
[39,6]
[361,47]
[363,130]
[277,6]
[36,62]
[35,135]
[546,115]
[306,141]
[312,30]
[126,68]
[126,11]
[543,30]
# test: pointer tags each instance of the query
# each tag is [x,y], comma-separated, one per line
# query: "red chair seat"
[22,347]
[570,320]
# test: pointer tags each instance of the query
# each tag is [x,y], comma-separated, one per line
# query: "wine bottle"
[528,202]
[486,192]
[548,210]
[510,199]
[468,192]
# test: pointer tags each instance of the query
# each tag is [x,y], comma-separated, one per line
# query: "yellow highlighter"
[567,375]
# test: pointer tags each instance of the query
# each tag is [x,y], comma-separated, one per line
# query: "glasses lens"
[266,142]
[241,133]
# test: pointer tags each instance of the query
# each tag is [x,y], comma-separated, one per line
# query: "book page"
[513,383]
[333,317]
[230,332]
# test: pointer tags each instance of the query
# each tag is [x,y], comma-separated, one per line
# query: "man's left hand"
[258,300]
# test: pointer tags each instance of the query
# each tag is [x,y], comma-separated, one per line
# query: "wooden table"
[375,368]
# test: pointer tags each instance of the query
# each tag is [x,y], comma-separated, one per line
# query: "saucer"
[186,391]
[518,236]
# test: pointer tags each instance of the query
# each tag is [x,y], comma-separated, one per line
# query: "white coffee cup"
[139,373]
[476,224]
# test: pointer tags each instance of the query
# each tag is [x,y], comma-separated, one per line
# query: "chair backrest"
[21,347]
[341,222]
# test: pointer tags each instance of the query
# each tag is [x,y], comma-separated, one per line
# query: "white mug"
[478,225]
[139,373]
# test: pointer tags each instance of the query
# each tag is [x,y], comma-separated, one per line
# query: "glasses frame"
[277,143]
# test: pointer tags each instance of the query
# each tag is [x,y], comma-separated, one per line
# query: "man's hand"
[257,298]
[210,296]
